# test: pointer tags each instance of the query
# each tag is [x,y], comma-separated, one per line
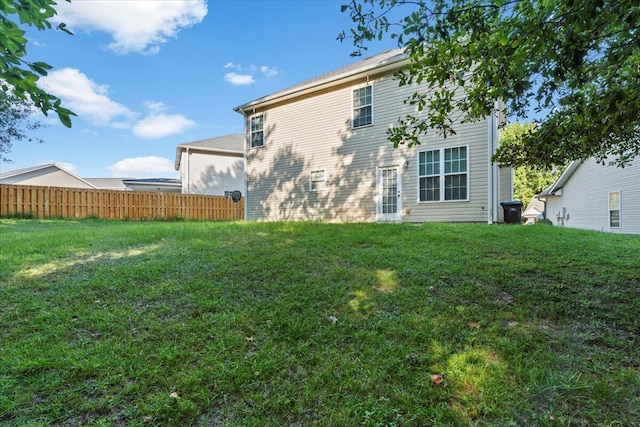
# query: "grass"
[233,324]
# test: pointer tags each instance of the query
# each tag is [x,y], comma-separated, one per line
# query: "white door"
[389,194]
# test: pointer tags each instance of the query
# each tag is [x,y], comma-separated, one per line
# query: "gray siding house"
[211,166]
[319,151]
[591,196]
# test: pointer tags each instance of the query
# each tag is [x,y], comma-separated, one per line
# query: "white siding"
[315,133]
[203,172]
[585,198]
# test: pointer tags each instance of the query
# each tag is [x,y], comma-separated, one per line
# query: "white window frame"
[252,131]
[442,175]
[354,108]
[615,208]
[321,181]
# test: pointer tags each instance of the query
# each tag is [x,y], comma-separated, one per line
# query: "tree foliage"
[572,64]
[19,77]
[528,181]
[15,123]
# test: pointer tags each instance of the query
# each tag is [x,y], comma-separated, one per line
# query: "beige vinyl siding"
[506,189]
[585,197]
[315,133]
[203,172]
[49,177]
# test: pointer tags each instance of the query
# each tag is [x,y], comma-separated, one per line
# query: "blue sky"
[144,76]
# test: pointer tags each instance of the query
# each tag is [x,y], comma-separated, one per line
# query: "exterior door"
[389,194]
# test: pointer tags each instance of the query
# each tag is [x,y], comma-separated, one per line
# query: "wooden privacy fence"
[60,202]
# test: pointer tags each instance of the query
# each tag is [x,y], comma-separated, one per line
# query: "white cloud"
[157,124]
[245,75]
[268,71]
[84,97]
[239,79]
[142,167]
[135,26]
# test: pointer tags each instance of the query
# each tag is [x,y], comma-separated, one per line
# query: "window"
[614,209]
[362,107]
[318,180]
[443,174]
[257,131]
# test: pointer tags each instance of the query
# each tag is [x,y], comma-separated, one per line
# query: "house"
[534,211]
[49,175]
[594,196]
[319,151]
[156,185]
[212,166]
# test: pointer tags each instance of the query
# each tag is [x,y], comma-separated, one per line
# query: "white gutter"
[314,86]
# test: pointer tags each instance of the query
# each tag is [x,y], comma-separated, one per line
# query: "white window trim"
[323,180]
[619,209]
[442,175]
[353,89]
[264,142]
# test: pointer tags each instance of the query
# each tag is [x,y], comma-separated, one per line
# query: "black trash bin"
[512,211]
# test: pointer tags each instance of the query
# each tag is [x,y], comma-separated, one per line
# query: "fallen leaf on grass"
[474,325]
[147,419]
[436,379]
[174,395]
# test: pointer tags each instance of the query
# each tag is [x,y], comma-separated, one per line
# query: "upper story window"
[257,130]
[362,107]
[318,180]
[443,174]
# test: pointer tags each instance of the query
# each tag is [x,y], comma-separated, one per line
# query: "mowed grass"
[305,324]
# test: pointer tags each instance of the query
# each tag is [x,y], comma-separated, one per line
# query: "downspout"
[244,159]
[493,189]
[188,171]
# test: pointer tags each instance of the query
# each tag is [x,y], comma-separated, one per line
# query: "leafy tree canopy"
[575,64]
[15,123]
[528,181]
[18,77]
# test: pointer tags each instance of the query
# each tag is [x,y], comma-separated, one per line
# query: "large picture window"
[362,107]
[614,209]
[443,174]
[257,130]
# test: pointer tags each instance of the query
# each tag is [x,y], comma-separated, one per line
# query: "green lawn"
[193,323]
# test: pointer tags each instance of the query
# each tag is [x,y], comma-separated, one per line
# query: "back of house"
[319,151]
[594,196]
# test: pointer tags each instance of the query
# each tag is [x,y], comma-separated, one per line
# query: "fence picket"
[60,202]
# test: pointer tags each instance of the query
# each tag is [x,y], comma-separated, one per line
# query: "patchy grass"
[188,323]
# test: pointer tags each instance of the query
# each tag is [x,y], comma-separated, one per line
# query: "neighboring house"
[319,151]
[107,183]
[156,185]
[50,175]
[534,211]
[212,166]
[592,196]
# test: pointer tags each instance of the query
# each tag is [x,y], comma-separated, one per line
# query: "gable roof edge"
[351,72]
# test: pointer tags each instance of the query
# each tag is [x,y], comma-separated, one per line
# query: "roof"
[153,181]
[107,183]
[393,59]
[17,172]
[550,191]
[534,208]
[227,144]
